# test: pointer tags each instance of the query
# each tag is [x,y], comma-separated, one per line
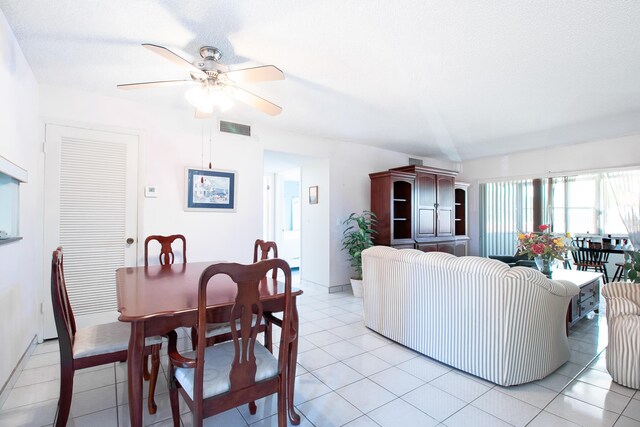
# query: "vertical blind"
[505,209]
[577,204]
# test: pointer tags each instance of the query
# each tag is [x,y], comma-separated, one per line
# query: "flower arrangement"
[543,244]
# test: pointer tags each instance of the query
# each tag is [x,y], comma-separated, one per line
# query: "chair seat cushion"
[104,339]
[217,366]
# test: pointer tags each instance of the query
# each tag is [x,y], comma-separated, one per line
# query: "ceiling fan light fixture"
[206,98]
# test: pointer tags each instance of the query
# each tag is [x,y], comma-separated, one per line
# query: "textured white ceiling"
[447,79]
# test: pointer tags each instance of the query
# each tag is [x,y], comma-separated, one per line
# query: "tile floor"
[350,376]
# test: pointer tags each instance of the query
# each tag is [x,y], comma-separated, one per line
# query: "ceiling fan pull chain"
[202,150]
[210,132]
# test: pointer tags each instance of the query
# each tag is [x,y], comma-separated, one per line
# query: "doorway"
[283,205]
[90,209]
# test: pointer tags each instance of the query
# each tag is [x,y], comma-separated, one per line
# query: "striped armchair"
[623,320]
[479,315]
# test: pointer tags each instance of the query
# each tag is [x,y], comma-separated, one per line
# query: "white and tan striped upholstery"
[623,320]
[504,324]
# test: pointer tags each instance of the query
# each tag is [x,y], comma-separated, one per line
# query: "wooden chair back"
[166,256]
[263,248]
[62,311]
[247,313]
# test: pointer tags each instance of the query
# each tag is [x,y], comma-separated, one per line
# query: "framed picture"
[210,190]
[313,195]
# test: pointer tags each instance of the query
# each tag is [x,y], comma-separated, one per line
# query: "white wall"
[315,237]
[171,141]
[21,261]
[589,156]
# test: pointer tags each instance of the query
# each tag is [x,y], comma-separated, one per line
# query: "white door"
[90,210]
[287,217]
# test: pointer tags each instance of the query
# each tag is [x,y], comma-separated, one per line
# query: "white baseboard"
[8,386]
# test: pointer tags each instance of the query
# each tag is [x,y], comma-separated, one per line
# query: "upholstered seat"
[623,321]
[217,366]
[104,339]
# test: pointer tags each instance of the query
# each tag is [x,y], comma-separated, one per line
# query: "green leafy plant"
[632,265]
[357,237]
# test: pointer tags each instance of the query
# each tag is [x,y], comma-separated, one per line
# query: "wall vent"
[416,162]
[235,128]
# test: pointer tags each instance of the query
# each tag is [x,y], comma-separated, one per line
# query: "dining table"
[157,299]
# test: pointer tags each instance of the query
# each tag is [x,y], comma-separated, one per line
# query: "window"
[575,204]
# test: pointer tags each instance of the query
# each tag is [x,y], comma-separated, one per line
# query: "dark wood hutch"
[420,207]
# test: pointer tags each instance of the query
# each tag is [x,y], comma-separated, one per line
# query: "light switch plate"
[150,191]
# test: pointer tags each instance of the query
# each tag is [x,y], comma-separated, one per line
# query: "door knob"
[130,241]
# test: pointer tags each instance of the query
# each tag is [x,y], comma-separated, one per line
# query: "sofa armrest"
[563,288]
[625,290]
[617,306]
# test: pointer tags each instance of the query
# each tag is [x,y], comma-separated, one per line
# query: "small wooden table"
[589,297]
[157,299]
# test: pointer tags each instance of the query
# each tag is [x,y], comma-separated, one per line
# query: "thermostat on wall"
[150,191]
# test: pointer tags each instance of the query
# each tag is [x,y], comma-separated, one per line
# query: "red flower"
[543,227]
[537,248]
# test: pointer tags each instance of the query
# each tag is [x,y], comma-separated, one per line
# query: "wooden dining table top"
[155,290]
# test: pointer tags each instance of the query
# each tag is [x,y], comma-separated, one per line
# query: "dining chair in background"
[166,256]
[592,258]
[91,346]
[215,379]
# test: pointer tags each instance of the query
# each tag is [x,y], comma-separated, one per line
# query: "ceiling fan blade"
[162,83]
[202,114]
[256,74]
[255,101]
[176,59]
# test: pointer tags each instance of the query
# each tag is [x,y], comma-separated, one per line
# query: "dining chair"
[215,379]
[595,259]
[166,256]
[91,346]
[618,275]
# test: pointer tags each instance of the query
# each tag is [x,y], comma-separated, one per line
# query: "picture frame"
[313,195]
[209,190]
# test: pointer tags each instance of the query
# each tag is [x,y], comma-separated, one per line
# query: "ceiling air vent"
[235,128]
[417,162]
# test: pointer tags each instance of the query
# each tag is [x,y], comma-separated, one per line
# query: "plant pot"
[356,286]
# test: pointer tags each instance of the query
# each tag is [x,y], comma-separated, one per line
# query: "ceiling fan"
[214,84]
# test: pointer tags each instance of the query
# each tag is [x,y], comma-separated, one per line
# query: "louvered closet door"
[91,211]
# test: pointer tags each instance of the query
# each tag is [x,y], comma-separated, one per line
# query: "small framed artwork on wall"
[313,195]
[210,190]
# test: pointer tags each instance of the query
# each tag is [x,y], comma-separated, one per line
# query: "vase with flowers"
[543,247]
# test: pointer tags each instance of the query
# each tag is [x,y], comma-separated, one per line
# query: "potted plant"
[357,237]
[632,265]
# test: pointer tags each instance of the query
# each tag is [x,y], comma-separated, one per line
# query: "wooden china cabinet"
[420,207]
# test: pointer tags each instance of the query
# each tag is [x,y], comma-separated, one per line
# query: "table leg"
[134,373]
[292,364]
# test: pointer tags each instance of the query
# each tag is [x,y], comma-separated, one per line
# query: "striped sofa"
[503,324]
[623,320]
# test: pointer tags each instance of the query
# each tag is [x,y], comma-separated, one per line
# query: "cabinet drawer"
[587,305]
[588,291]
